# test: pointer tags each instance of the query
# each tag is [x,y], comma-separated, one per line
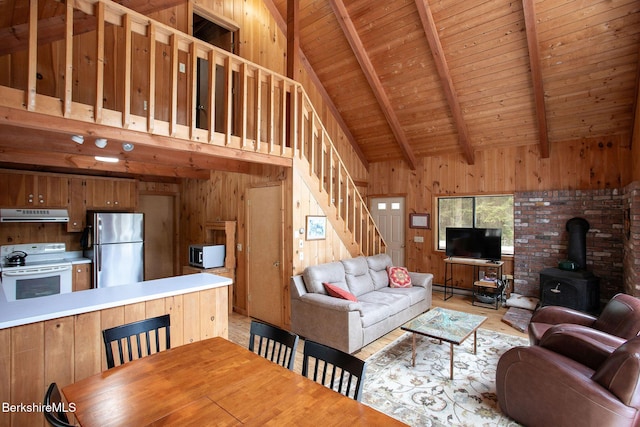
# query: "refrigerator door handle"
[99,257]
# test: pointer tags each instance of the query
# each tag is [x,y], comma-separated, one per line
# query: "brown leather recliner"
[538,386]
[620,318]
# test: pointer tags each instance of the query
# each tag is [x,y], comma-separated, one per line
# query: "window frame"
[474,197]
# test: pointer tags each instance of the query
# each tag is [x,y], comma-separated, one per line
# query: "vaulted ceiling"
[413,78]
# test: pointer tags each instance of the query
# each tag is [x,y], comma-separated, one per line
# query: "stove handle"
[38,271]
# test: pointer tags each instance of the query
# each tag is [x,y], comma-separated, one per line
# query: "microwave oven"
[206,256]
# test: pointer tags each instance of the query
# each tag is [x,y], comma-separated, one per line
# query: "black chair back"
[125,333]
[54,408]
[273,343]
[335,369]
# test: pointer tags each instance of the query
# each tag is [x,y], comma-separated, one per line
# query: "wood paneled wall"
[221,198]
[70,348]
[590,164]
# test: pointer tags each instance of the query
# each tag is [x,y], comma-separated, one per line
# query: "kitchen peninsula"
[58,337]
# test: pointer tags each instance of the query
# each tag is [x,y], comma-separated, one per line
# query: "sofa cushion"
[372,313]
[415,294]
[357,275]
[378,270]
[395,302]
[399,277]
[315,276]
[338,292]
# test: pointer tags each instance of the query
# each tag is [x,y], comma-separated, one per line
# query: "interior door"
[388,213]
[265,237]
[159,235]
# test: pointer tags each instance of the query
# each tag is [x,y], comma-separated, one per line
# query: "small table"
[445,325]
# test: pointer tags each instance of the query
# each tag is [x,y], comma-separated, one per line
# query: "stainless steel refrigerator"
[115,244]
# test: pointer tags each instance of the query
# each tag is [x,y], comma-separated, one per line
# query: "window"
[479,212]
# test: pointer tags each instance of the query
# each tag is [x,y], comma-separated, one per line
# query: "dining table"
[211,382]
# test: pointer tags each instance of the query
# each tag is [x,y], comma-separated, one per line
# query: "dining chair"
[123,335]
[54,408]
[335,369]
[273,343]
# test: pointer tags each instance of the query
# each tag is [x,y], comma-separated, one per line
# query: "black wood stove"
[572,286]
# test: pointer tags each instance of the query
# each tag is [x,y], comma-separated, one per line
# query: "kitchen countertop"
[22,312]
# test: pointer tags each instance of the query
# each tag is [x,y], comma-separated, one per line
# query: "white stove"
[35,270]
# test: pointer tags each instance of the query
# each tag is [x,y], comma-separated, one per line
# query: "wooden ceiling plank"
[351,34]
[431,32]
[536,75]
[320,87]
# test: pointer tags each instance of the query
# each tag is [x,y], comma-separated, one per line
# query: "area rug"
[517,318]
[425,396]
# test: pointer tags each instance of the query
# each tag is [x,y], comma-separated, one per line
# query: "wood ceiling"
[414,78]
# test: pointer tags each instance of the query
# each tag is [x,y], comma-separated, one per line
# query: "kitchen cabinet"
[22,190]
[81,276]
[111,193]
[77,205]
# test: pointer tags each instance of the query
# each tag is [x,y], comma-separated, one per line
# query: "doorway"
[388,214]
[159,234]
[265,245]
[223,35]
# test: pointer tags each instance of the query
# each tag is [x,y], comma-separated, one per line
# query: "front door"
[265,238]
[388,213]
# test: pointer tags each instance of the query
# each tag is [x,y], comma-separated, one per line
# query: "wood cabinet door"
[77,207]
[51,191]
[81,277]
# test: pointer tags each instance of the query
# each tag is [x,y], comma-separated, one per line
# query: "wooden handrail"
[253,112]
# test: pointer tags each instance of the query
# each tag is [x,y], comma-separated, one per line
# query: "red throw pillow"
[399,277]
[338,292]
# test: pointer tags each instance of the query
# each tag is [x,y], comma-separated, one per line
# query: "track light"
[107,159]
[78,139]
[101,142]
[127,146]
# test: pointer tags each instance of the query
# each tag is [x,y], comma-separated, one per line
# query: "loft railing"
[118,68]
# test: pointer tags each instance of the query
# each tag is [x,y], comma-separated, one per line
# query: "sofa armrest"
[421,279]
[583,344]
[554,315]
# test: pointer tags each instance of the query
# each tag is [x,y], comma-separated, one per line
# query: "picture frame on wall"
[316,227]
[420,220]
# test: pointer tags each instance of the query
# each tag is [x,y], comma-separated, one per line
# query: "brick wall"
[631,239]
[541,238]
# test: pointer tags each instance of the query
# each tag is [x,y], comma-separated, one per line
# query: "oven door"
[24,282]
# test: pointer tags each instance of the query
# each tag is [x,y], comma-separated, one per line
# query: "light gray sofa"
[348,325]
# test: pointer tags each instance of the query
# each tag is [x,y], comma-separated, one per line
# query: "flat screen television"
[479,243]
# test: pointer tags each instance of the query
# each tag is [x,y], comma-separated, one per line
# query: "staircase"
[215,98]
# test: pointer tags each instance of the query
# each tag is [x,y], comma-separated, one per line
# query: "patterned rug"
[425,396]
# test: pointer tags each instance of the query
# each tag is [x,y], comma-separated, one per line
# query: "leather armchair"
[540,386]
[619,318]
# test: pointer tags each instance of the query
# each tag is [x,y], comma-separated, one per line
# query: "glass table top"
[448,325]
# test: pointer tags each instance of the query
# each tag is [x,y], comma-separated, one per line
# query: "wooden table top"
[211,382]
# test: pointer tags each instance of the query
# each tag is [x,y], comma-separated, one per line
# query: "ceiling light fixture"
[101,142]
[127,146]
[78,139]
[107,159]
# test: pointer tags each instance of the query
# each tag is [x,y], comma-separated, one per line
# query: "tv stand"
[473,262]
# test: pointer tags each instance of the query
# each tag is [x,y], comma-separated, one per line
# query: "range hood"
[34,215]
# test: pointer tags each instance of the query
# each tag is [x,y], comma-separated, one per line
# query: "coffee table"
[445,325]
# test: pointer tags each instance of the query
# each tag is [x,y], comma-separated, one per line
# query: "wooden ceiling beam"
[320,87]
[528,7]
[349,30]
[430,30]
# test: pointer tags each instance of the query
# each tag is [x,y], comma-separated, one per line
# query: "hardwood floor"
[239,326]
